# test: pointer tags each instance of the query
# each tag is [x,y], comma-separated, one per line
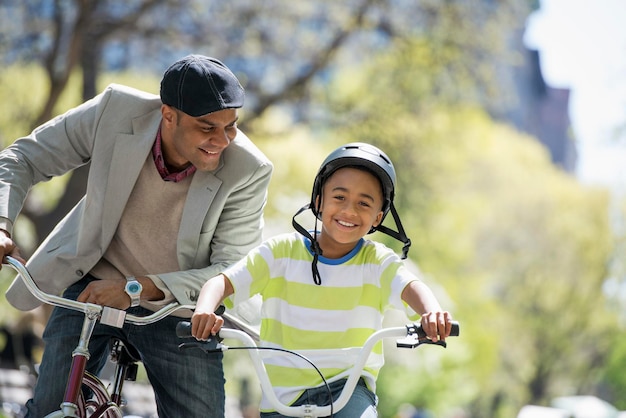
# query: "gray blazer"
[222,218]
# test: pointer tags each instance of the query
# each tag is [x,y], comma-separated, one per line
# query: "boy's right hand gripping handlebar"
[416,336]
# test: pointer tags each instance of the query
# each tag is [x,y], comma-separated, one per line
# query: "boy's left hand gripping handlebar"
[183,328]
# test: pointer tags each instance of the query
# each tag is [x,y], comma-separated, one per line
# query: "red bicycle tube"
[75,379]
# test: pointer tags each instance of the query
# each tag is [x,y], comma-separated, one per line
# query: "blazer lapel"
[202,191]
[129,154]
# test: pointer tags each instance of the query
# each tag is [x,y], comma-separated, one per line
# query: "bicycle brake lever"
[439,343]
[202,345]
[412,341]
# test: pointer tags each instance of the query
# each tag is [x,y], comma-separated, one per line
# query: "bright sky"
[582,46]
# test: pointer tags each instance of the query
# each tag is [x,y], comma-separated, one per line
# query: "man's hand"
[8,247]
[106,293]
[111,293]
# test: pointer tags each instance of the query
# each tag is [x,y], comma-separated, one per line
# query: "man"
[173,185]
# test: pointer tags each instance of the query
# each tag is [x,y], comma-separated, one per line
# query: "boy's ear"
[378,219]
[317,203]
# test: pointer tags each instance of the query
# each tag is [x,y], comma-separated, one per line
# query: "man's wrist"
[152,290]
[133,289]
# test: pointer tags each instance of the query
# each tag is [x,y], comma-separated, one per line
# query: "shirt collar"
[159,161]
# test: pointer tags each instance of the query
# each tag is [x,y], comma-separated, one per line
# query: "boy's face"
[352,201]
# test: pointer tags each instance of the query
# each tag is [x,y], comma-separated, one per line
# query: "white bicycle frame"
[409,336]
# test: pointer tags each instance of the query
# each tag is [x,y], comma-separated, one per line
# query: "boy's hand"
[204,325]
[437,325]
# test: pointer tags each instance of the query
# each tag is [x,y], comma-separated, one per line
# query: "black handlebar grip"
[183,329]
[454,332]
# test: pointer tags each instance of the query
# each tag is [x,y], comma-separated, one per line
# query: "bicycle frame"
[73,404]
[409,336]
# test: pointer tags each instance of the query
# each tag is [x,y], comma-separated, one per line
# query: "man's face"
[196,140]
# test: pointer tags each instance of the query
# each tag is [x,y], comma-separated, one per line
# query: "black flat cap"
[198,85]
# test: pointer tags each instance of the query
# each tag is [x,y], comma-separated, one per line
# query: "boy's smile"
[351,204]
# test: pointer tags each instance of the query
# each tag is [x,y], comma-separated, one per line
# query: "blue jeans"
[362,403]
[187,383]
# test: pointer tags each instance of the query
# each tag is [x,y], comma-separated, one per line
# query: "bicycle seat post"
[125,358]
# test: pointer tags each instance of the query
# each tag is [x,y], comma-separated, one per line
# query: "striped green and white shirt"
[326,323]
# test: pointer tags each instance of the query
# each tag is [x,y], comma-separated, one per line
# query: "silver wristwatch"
[133,289]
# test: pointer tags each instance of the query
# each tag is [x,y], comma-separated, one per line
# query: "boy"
[354,281]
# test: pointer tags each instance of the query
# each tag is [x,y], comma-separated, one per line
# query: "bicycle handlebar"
[409,336]
[414,334]
[108,316]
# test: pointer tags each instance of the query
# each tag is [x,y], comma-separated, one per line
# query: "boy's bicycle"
[101,403]
[409,336]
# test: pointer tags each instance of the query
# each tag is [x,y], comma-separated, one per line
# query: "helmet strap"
[400,235]
[315,246]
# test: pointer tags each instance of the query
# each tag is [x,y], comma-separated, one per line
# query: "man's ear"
[168,113]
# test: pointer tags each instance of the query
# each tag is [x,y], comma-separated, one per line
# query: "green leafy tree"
[281,49]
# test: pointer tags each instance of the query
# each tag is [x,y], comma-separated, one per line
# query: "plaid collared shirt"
[159,161]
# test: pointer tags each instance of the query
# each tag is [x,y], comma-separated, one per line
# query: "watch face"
[133,287]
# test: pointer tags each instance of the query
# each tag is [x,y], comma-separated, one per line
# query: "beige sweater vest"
[145,240]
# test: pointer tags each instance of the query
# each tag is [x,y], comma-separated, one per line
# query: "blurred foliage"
[614,369]
[521,250]
[24,83]
[277,47]
[615,285]
[518,250]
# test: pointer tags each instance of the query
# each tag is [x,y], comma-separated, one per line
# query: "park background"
[527,256]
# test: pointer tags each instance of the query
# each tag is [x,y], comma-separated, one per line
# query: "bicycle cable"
[284,350]
[183,330]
